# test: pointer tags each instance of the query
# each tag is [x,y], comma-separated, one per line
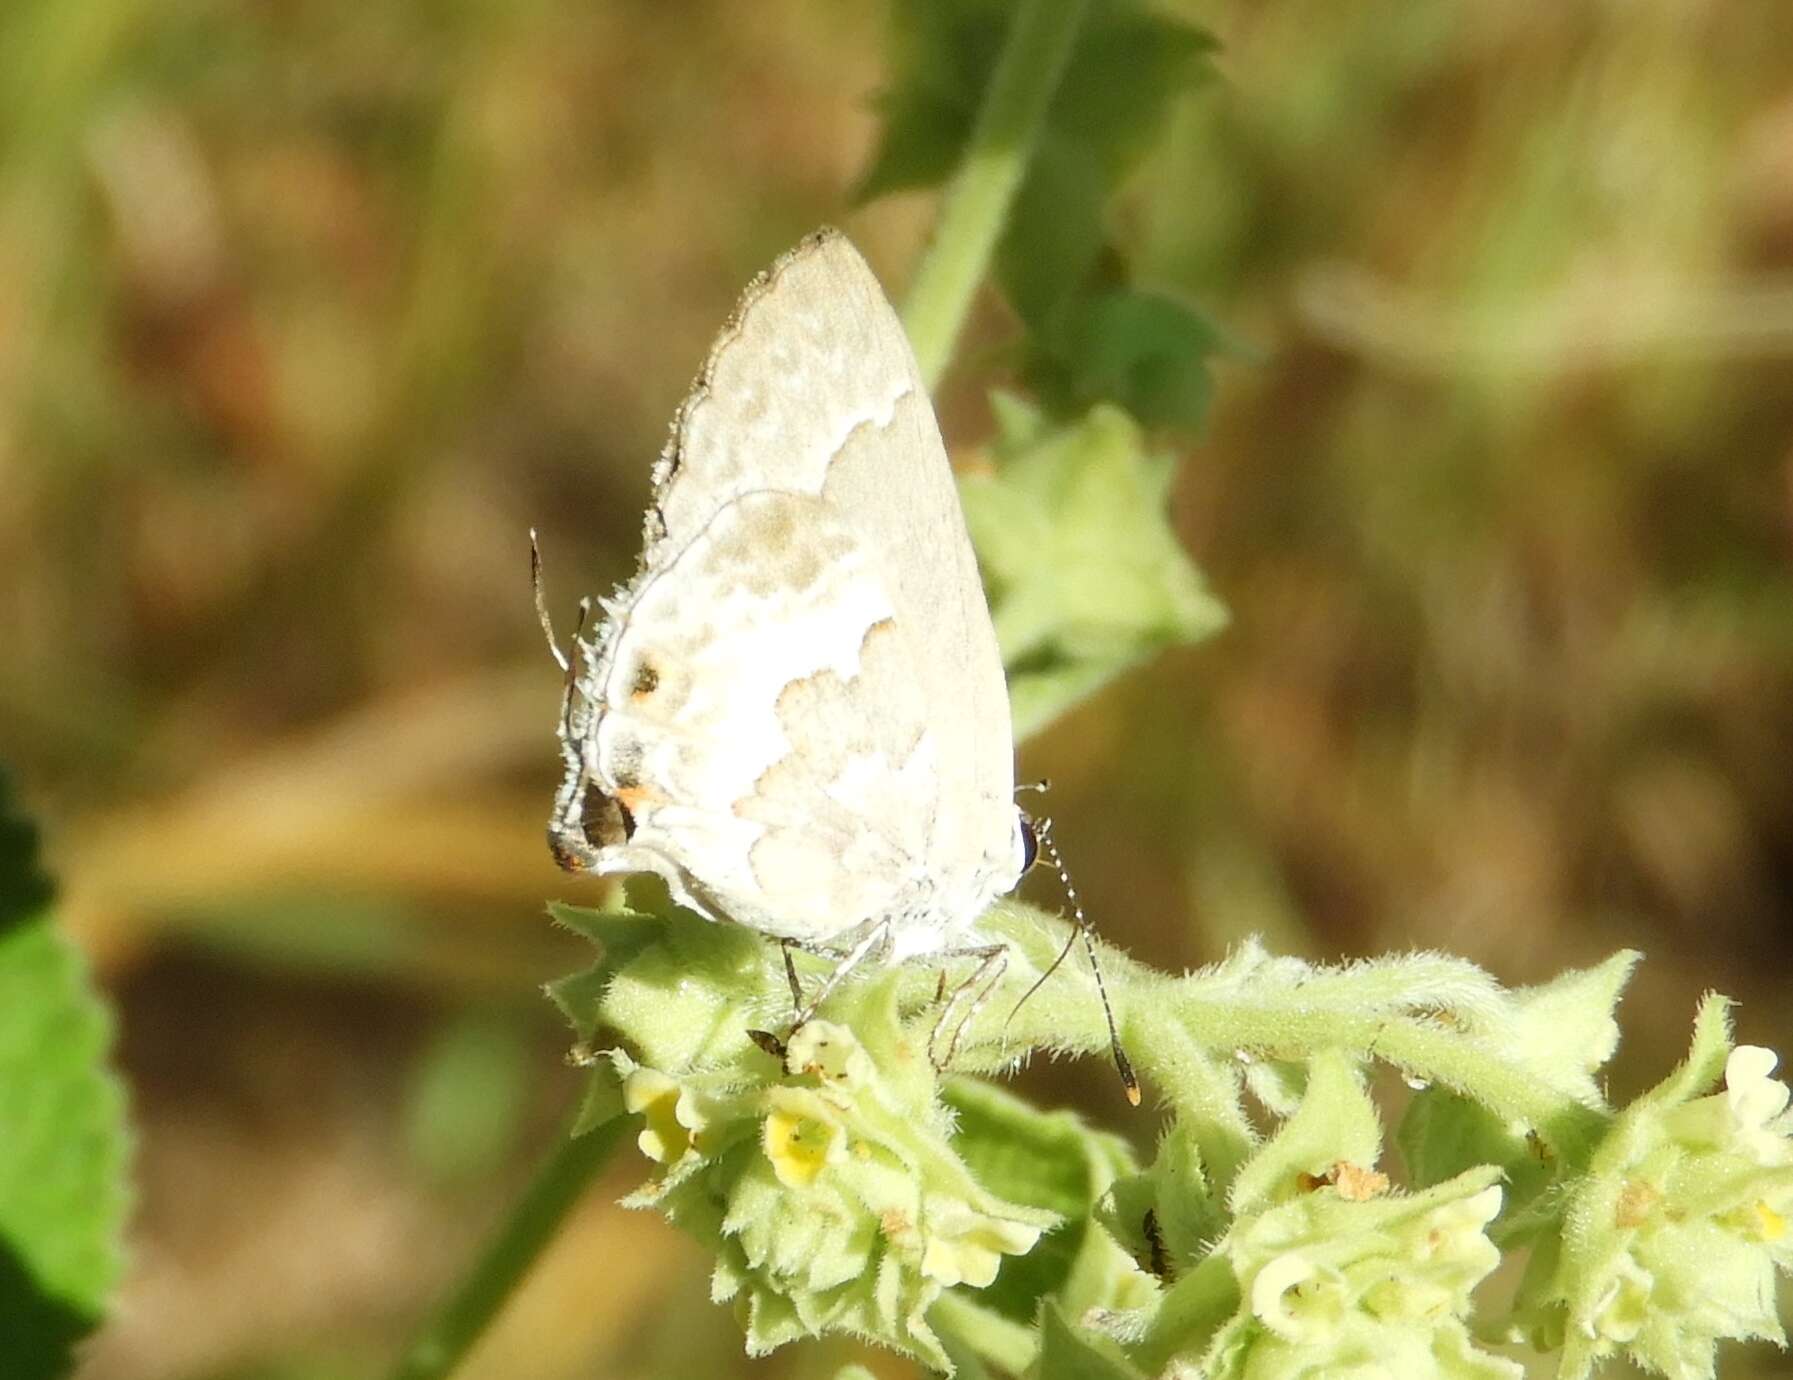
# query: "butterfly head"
[1027,842]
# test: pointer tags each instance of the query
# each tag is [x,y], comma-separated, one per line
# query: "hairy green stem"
[457,1324]
[1039,43]
[985,1332]
[1419,1048]
[1177,1027]
[1202,1089]
[1195,1306]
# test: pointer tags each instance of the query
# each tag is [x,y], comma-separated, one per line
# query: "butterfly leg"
[875,943]
[790,946]
[765,1039]
[992,960]
[790,973]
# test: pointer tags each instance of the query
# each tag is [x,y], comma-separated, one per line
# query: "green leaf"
[1131,62]
[1066,1355]
[1085,572]
[618,935]
[62,1155]
[1141,350]
[1336,1121]
[1055,238]
[602,1101]
[1562,1032]
[1565,1027]
[1279,1084]
[1091,336]
[1704,1066]
[1442,1134]
[944,53]
[1016,1151]
[1054,1161]
[1112,98]
[1167,1218]
[967,1364]
[690,998]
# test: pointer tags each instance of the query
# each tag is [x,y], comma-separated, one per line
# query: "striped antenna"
[1042,835]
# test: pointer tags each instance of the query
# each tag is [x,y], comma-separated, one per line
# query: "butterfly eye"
[1027,841]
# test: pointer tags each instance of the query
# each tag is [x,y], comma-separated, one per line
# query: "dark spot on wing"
[606,820]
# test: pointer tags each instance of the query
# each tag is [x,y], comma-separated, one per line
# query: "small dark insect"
[769,1042]
[1157,1258]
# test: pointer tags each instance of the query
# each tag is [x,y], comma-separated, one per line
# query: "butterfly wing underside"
[824,737]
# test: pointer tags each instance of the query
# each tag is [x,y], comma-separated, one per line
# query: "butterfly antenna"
[561,659]
[541,603]
[1081,926]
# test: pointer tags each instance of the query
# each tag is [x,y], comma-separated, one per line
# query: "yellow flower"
[799,1141]
[671,1114]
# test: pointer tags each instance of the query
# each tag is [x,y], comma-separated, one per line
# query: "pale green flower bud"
[1671,1242]
[1327,1271]
[831,1204]
[1744,1117]
[825,1183]
[1372,1288]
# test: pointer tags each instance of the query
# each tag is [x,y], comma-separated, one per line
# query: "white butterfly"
[795,713]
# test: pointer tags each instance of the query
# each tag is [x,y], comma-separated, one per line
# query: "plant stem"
[1039,42]
[457,1324]
[1416,1047]
[1040,39]
[983,1331]
[1195,1306]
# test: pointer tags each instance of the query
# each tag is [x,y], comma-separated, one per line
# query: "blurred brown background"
[309,309]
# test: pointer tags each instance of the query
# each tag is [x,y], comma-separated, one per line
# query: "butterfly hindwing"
[761,728]
[895,487]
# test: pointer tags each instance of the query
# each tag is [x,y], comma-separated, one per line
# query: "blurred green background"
[309,309]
